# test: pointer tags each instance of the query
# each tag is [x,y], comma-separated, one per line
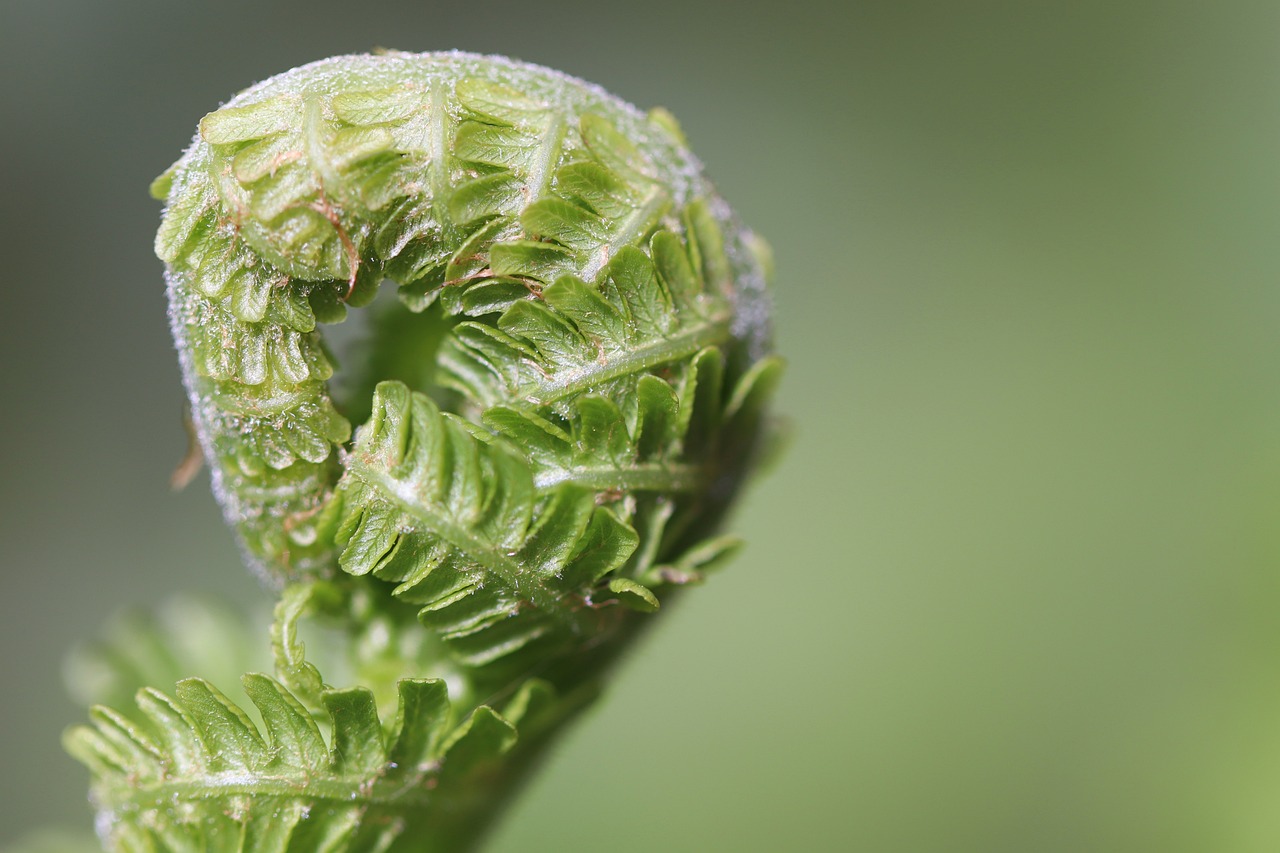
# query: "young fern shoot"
[556,417]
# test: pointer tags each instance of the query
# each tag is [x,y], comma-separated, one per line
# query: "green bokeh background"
[1012,588]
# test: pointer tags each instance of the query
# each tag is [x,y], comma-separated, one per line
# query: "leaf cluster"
[351,783]
[564,461]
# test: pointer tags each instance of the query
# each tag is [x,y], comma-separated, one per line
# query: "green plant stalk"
[548,453]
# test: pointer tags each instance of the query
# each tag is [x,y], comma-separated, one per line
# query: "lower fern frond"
[193,772]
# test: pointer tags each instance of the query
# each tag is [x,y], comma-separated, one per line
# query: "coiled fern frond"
[556,419]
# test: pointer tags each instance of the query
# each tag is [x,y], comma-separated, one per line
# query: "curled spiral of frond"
[551,449]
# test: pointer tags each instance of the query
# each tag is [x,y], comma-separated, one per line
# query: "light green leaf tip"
[633,595]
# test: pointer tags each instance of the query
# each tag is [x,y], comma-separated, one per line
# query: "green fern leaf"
[366,786]
[581,338]
[455,521]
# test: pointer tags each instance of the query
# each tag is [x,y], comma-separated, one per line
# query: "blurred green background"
[1012,588]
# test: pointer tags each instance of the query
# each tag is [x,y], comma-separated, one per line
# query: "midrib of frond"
[303,786]
[639,358]
[497,563]
[628,231]
[641,477]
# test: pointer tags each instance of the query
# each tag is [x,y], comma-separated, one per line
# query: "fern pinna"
[556,417]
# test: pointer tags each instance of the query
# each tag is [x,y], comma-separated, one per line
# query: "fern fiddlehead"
[563,406]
